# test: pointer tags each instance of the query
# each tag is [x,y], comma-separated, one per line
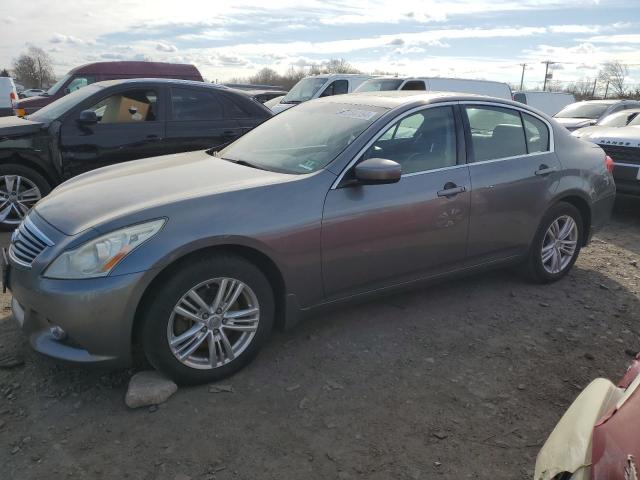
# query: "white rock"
[148,388]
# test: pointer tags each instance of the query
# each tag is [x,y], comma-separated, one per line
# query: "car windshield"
[583,110]
[304,90]
[302,139]
[619,119]
[380,85]
[60,106]
[58,85]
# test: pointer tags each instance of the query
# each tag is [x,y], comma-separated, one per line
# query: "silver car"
[197,256]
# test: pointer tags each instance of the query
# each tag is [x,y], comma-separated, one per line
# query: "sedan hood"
[573,123]
[113,192]
[16,126]
[621,136]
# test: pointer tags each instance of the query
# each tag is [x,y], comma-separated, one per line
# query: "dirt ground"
[460,380]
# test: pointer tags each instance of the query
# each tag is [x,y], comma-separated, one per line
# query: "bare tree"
[4,73]
[614,73]
[34,68]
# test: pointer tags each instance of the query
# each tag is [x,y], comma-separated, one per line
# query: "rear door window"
[191,104]
[496,132]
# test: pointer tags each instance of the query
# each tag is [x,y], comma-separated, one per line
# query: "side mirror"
[88,117]
[378,171]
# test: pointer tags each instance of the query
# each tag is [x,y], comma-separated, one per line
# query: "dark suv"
[112,122]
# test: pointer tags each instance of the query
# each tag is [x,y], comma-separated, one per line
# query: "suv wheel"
[20,189]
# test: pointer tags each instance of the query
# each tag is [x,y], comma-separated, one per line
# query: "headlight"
[97,257]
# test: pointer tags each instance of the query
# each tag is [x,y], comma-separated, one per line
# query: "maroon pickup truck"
[96,72]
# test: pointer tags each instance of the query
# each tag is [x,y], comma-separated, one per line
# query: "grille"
[27,242]
[623,154]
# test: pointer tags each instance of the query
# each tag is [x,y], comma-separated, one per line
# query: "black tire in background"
[160,306]
[25,172]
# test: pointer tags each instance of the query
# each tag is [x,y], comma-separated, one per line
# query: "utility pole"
[595,82]
[546,73]
[524,66]
[606,90]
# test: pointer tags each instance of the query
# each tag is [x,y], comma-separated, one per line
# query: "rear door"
[130,127]
[514,173]
[198,120]
[377,235]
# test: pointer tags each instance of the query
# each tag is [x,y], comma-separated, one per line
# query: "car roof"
[605,102]
[165,81]
[134,67]
[395,98]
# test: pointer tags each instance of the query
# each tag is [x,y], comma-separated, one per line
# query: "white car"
[8,96]
[437,84]
[32,92]
[317,86]
[547,102]
[615,120]
[590,112]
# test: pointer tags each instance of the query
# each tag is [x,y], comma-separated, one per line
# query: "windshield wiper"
[242,162]
[292,101]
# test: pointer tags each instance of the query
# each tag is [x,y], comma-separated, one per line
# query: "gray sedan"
[197,256]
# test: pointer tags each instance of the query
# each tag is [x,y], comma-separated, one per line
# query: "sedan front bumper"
[96,315]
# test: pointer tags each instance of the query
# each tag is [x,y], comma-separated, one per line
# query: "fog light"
[58,333]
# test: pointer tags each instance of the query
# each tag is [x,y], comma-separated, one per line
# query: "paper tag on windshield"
[359,114]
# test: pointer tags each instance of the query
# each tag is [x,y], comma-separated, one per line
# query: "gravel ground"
[460,380]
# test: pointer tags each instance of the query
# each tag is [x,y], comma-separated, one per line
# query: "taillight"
[608,163]
[12,96]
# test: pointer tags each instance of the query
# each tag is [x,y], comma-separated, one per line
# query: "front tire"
[208,320]
[556,245]
[20,189]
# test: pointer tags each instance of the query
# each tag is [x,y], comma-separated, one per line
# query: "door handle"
[229,133]
[451,190]
[545,170]
[153,138]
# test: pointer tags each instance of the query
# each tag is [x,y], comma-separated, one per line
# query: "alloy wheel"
[560,244]
[213,323]
[17,196]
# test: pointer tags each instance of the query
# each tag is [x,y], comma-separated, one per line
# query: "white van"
[437,84]
[317,86]
[8,96]
[547,102]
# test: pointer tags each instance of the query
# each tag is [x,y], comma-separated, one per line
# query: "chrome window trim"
[463,103]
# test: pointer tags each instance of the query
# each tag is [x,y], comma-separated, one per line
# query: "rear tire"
[226,333]
[556,244]
[20,188]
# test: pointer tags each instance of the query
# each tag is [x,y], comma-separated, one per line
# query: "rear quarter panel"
[585,175]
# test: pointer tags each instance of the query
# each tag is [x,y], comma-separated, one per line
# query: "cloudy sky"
[466,38]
